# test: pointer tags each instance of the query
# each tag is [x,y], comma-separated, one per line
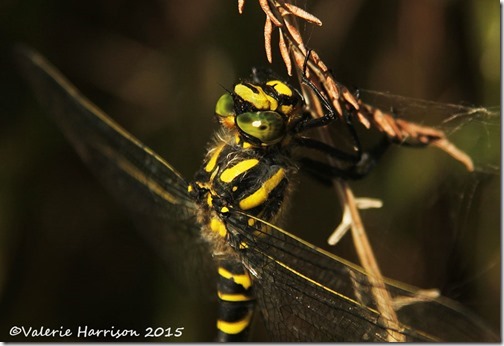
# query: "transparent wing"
[417,109]
[152,190]
[307,294]
[453,119]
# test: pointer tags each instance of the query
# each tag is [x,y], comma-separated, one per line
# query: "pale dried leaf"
[392,123]
[314,57]
[337,106]
[363,120]
[333,93]
[417,133]
[265,7]
[384,125]
[347,95]
[299,59]
[299,12]
[241,5]
[417,130]
[317,61]
[455,152]
[268,29]
[284,52]
[295,35]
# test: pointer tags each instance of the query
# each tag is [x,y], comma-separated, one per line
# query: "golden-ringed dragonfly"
[303,293]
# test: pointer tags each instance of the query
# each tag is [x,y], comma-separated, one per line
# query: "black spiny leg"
[310,122]
[359,165]
[357,170]
[310,143]
[330,115]
[236,303]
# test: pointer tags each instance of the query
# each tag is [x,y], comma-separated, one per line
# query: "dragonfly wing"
[154,192]
[307,294]
[129,169]
[451,118]
[442,318]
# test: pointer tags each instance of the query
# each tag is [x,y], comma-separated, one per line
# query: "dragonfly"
[303,293]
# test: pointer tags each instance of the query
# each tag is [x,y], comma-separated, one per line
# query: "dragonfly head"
[260,112]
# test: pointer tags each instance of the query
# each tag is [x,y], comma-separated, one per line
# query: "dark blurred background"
[70,257]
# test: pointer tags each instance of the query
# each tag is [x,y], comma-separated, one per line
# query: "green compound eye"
[225,106]
[268,127]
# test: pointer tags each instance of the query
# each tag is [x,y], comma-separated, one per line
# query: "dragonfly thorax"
[254,181]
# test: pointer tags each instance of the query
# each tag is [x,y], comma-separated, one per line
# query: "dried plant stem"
[367,258]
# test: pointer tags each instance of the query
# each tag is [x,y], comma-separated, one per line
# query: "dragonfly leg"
[325,172]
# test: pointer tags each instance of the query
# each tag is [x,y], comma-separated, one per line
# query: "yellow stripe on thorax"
[213,159]
[234,327]
[229,174]
[261,194]
[218,226]
[240,279]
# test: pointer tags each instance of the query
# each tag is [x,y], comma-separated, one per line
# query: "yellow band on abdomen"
[234,327]
[240,279]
